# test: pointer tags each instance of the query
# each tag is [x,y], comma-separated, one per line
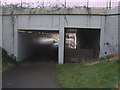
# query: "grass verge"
[7,61]
[79,75]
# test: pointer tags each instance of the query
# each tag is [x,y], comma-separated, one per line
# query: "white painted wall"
[107,24]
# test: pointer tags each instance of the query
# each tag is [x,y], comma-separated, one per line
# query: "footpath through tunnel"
[38,45]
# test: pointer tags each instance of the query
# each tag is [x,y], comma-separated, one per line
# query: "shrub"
[7,60]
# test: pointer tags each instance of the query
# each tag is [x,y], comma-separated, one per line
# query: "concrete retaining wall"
[106,20]
[110,33]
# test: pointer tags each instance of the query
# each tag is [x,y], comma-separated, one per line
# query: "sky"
[95,3]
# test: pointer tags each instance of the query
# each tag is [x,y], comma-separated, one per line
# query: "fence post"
[110,4]
[65,3]
[21,3]
[87,3]
[43,4]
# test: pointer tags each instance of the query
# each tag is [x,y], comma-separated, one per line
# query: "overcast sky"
[96,3]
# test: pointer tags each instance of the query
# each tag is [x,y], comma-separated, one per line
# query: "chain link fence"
[61,3]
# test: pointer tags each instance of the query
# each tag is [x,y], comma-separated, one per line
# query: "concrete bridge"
[102,22]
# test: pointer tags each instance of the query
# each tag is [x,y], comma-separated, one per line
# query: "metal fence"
[61,3]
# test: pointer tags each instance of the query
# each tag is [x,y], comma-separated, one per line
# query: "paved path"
[31,75]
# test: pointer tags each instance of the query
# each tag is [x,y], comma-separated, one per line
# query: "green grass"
[78,75]
[7,61]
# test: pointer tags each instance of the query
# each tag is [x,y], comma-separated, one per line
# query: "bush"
[7,61]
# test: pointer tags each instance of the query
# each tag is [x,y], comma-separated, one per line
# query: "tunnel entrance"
[81,44]
[38,45]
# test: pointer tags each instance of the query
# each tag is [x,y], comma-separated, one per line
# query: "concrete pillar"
[119,30]
[61,40]
[15,31]
[0,46]
[103,24]
[0,26]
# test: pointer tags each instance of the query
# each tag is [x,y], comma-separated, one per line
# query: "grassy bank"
[7,61]
[80,75]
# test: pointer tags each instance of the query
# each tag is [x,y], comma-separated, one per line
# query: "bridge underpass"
[81,44]
[38,45]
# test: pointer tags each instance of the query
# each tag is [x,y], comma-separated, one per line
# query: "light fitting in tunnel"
[29,31]
[21,31]
[44,40]
[39,32]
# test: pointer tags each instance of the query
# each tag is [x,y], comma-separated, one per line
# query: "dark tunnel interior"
[39,46]
[81,44]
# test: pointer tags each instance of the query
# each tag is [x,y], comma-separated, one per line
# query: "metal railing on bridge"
[61,3]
